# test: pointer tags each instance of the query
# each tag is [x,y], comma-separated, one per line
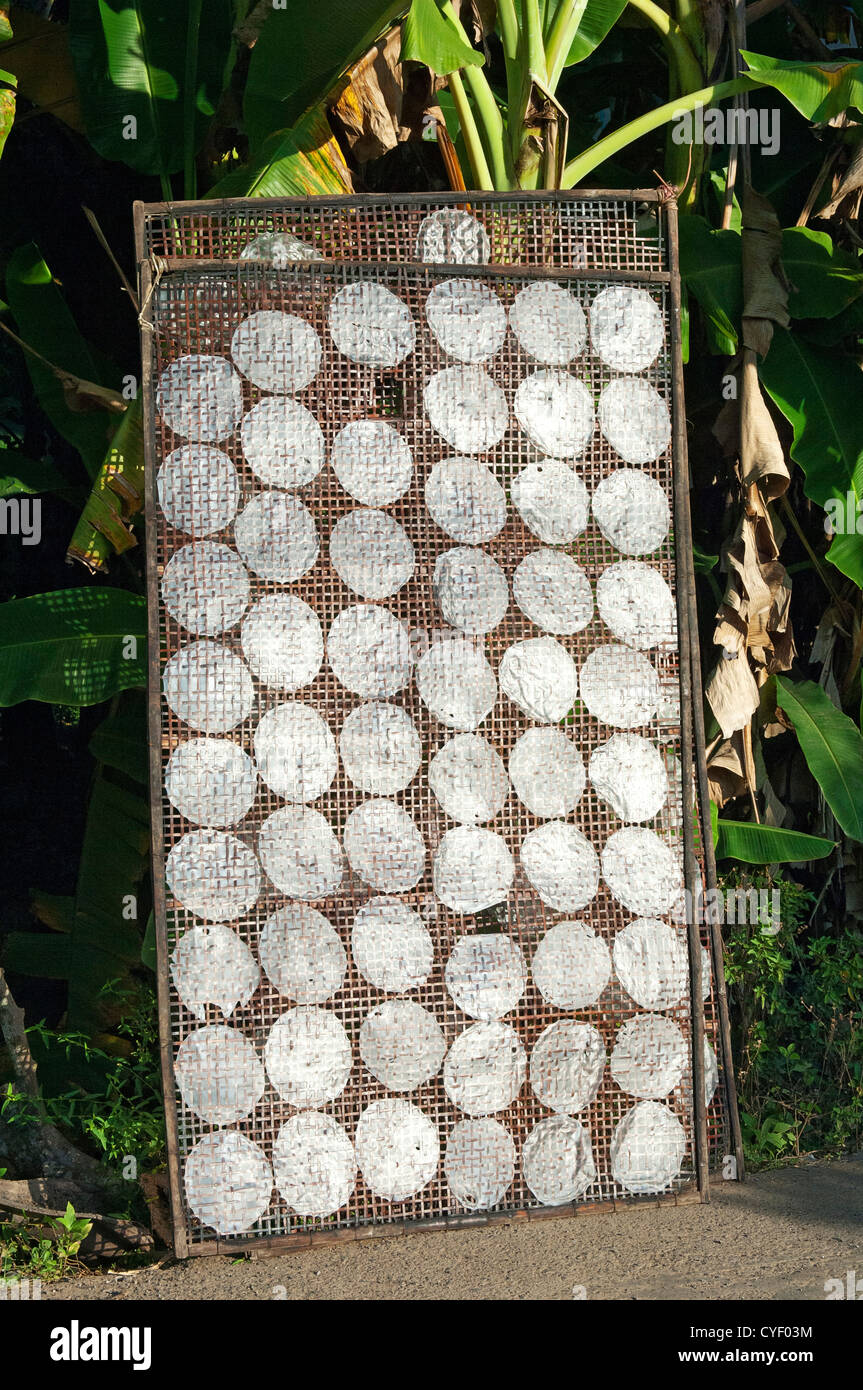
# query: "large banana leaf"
[303,162]
[120,741]
[832,746]
[824,278]
[302,51]
[767,844]
[819,394]
[429,36]
[711,267]
[45,323]
[159,63]
[818,90]
[597,18]
[72,647]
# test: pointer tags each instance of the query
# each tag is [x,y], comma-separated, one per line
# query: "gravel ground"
[778,1235]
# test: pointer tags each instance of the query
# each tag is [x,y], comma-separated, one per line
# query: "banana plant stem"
[472,140]
[585,163]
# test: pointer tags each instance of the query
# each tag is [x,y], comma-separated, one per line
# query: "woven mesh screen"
[421,808]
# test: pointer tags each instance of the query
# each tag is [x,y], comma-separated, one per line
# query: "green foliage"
[767,844]
[163,65]
[832,746]
[819,91]
[710,264]
[298,58]
[43,1248]
[797,1017]
[72,647]
[304,161]
[824,278]
[432,37]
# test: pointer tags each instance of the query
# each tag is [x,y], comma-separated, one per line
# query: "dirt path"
[779,1235]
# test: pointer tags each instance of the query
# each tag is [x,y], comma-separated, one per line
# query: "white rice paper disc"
[371,325]
[452,237]
[642,872]
[283,443]
[228,1182]
[555,410]
[651,961]
[553,591]
[401,1044]
[308,1057]
[711,1073]
[456,683]
[213,965]
[549,323]
[380,748]
[467,408]
[629,774]
[547,772]
[620,687]
[557,1161]
[552,501]
[282,641]
[626,328]
[637,605]
[302,954]
[296,752]
[485,1068]
[649,1057]
[566,1066]
[372,462]
[208,687]
[211,781]
[200,398]
[479,1163]
[205,587]
[198,489]
[371,553]
[647,1148]
[486,975]
[213,874]
[369,651]
[571,966]
[561,865]
[466,318]
[469,779]
[279,249]
[300,853]
[631,510]
[397,1149]
[314,1164]
[470,589]
[277,537]
[466,500]
[473,869]
[277,351]
[391,947]
[384,846]
[219,1074]
[539,676]
[634,419]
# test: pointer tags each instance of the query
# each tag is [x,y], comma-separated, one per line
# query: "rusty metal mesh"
[197,311]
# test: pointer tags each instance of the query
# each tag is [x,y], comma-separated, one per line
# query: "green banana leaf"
[116,496]
[429,36]
[150,74]
[302,51]
[72,647]
[768,844]
[120,741]
[819,394]
[832,746]
[819,91]
[825,279]
[711,267]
